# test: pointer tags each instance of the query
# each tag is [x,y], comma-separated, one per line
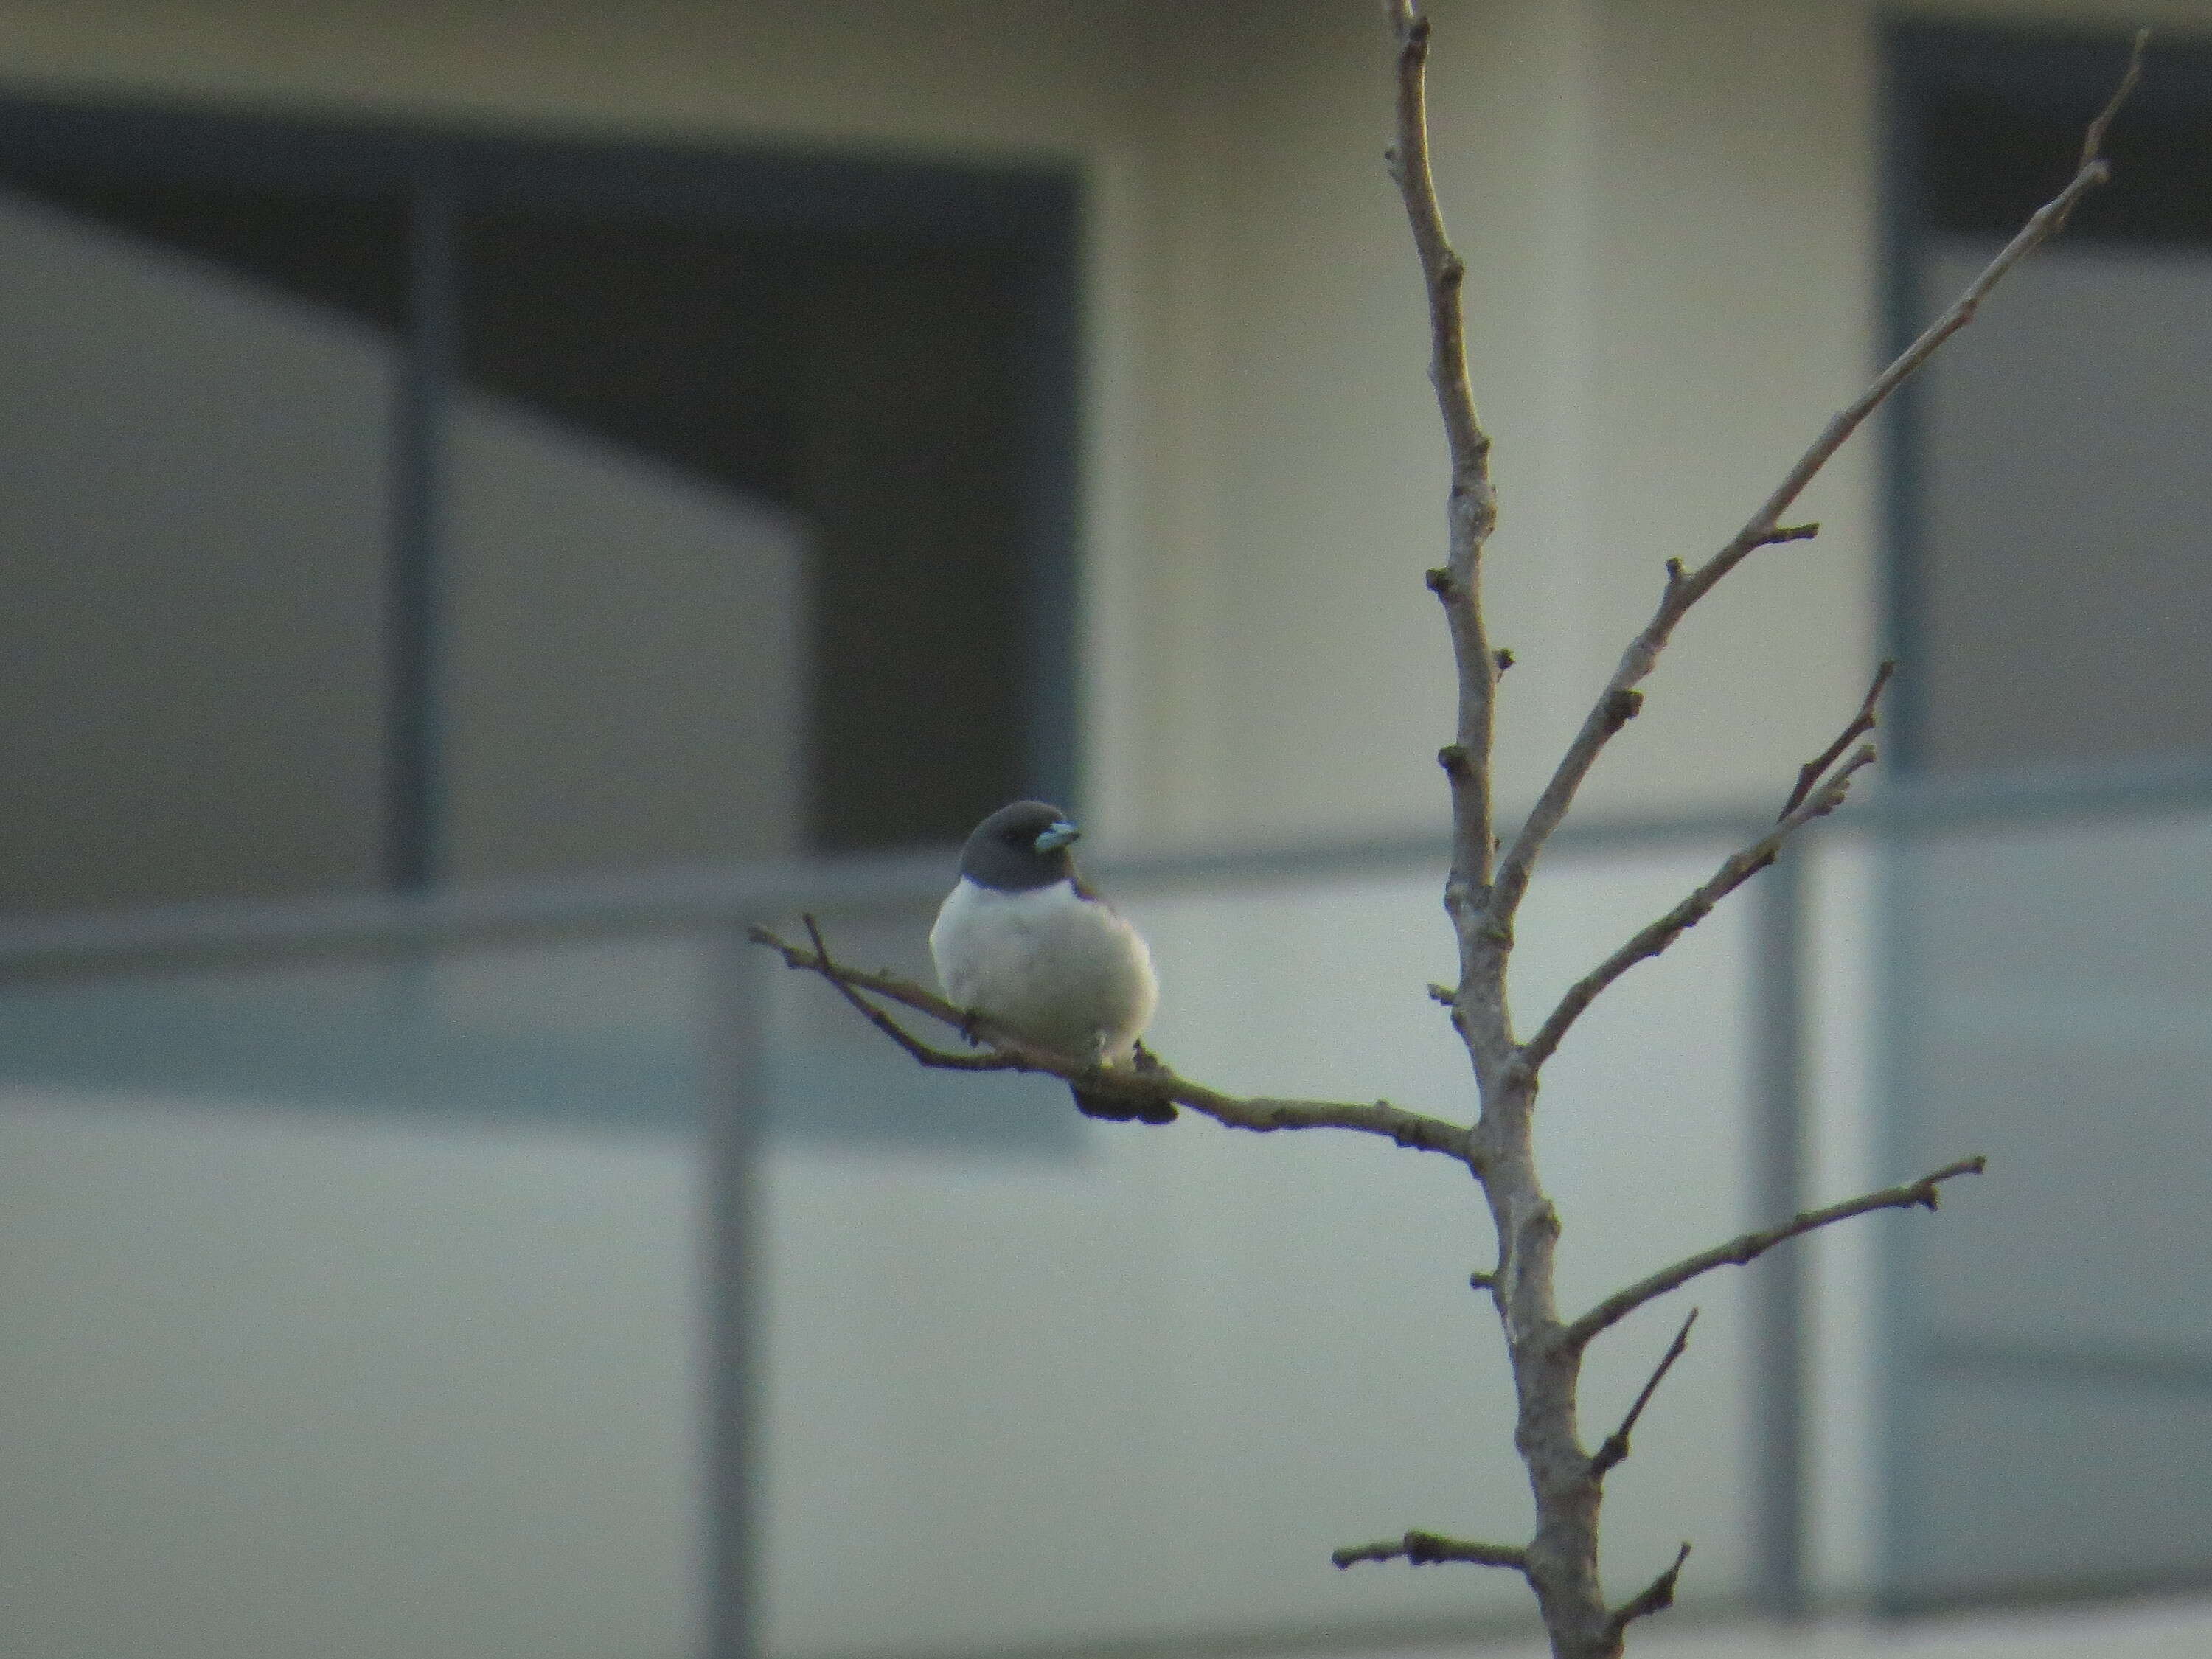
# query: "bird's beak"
[1058,836]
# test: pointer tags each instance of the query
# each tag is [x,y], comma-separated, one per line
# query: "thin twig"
[1921,1195]
[940,1058]
[2093,142]
[1614,1447]
[1146,1085]
[1442,270]
[1862,723]
[1655,1597]
[1734,871]
[1818,792]
[1684,588]
[1472,509]
[1427,1548]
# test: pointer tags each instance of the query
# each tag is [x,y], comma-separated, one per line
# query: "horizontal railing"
[94,942]
[91,947]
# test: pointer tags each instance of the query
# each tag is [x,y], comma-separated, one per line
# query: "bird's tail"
[1116,1110]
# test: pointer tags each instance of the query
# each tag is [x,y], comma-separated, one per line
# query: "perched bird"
[1023,942]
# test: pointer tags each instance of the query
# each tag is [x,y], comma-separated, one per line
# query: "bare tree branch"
[1614,1449]
[940,1058]
[1862,723]
[2093,141]
[1137,1084]
[1426,1548]
[1472,511]
[1737,869]
[1921,1195]
[1655,1597]
[1684,588]
[1812,799]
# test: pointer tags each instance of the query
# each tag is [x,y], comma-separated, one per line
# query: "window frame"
[1030,206]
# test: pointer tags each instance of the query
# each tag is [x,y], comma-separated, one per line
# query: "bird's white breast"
[1052,966]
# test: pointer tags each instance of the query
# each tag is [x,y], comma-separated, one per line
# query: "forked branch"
[1685,587]
[842,978]
[1655,1597]
[1921,1195]
[1614,1449]
[1737,869]
[1820,790]
[1862,723]
[1145,1083]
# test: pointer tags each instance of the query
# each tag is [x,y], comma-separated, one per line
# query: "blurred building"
[496,496]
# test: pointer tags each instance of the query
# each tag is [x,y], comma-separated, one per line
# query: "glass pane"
[2056,1330]
[625,669]
[741,525]
[195,464]
[2075,414]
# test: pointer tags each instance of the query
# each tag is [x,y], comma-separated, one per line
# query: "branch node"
[1425,1549]
[1622,705]
[1865,721]
[1655,1597]
[1614,1450]
[1443,993]
[1440,583]
[2093,141]
[1453,758]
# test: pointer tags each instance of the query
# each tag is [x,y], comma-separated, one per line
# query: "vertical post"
[733,1112]
[1904,1526]
[427,361]
[1777,1311]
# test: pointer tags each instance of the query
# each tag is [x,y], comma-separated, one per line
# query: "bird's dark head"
[1020,847]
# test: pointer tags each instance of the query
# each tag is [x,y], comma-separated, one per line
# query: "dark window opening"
[863,367]
[2050,583]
